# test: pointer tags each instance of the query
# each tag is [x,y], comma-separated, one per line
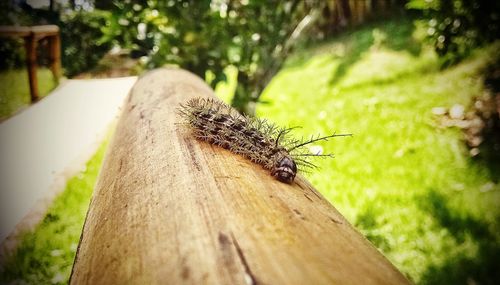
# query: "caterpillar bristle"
[257,139]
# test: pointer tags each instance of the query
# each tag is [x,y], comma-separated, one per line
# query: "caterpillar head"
[284,169]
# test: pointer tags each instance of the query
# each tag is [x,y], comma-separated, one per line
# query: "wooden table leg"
[55,56]
[30,43]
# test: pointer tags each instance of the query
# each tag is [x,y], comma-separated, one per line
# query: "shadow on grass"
[483,267]
[489,113]
[489,157]
[366,222]
[400,36]
[396,34]
[359,44]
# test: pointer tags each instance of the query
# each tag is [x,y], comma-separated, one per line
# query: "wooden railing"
[168,209]
[32,35]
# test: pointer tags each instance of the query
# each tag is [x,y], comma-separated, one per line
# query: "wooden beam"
[168,209]
[55,57]
[30,45]
[24,31]
[14,31]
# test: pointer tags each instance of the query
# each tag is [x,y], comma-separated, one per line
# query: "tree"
[207,36]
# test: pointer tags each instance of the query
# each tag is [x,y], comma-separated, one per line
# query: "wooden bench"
[168,209]
[32,35]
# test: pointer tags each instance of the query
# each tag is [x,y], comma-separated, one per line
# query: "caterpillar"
[256,139]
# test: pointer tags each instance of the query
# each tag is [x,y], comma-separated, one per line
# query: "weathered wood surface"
[168,209]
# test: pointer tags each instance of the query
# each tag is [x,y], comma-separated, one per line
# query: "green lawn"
[406,184]
[409,186]
[45,256]
[15,91]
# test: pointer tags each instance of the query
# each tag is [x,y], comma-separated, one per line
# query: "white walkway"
[45,142]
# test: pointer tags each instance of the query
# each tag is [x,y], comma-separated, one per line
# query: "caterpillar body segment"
[256,139]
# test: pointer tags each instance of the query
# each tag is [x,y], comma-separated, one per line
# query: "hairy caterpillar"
[258,140]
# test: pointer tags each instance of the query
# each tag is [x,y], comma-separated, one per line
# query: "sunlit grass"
[409,186]
[15,91]
[45,256]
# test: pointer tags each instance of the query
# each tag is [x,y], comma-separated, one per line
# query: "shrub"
[11,49]
[11,53]
[207,36]
[82,39]
[456,26]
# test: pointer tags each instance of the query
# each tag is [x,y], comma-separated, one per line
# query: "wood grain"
[168,209]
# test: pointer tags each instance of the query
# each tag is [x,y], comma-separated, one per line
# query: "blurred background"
[415,81]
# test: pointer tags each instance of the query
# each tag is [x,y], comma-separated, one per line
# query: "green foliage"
[11,50]
[11,53]
[456,26]
[201,36]
[82,40]
[45,256]
[208,36]
[133,26]
[81,36]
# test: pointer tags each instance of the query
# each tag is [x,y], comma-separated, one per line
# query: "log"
[168,209]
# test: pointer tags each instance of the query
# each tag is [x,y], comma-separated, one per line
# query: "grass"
[45,256]
[15,91]
[407,185]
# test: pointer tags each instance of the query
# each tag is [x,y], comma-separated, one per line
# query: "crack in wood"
[299,214]
[315,194]
[185,272]
[336,221]
[192,154]
[308,197]
[250,277]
